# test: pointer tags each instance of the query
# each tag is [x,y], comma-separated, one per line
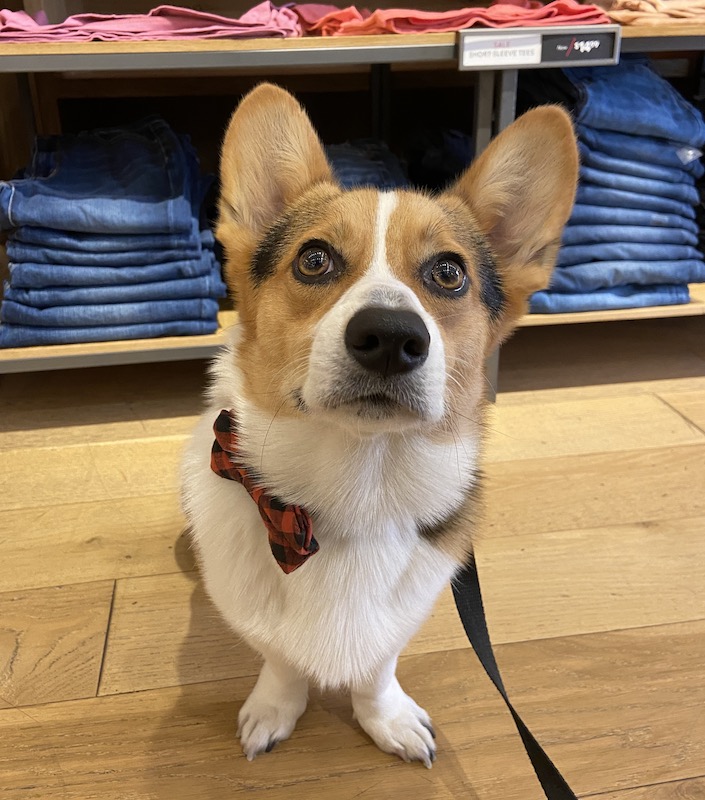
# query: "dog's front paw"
[399,726]
[266,718]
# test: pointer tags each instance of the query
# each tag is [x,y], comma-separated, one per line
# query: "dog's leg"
[393,720]
[270,713]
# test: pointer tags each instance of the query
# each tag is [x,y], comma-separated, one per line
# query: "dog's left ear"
[521,191]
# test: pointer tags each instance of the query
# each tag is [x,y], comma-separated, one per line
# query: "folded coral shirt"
[163,22]
[509,13]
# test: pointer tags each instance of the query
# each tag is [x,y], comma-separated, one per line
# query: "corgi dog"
[349,401]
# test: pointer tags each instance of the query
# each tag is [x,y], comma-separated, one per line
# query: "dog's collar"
[290,527]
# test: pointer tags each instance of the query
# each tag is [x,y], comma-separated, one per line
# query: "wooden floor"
[117,679]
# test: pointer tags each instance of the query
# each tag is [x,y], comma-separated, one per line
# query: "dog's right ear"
[270,156]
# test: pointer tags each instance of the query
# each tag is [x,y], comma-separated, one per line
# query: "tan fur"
[521,191]
[514,200]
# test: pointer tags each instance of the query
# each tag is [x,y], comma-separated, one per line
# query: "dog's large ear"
[271,154]
[521,191]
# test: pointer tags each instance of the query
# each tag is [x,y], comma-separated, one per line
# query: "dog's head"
[377,309]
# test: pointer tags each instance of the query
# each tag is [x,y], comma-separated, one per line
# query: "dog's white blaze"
[379,267]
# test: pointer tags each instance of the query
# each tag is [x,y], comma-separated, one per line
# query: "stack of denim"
[106,240]
[632,238]
[366,162]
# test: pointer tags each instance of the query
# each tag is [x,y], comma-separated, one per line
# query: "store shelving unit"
[495,108]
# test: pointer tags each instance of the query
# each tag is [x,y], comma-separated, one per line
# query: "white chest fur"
[364,594]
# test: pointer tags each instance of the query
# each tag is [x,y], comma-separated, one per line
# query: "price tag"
[545,46]
[501,51]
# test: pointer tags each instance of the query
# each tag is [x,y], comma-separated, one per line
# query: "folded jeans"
[589,194]
[46,238]
[593,234]
[549,302]
[598,215]
[624,251]
[648,149]
[28,336]
[134,179]
[636,169]
[632,98]
[608,274]
[20,253]
[108,313]
[39,276]
[366,162]
[628,183]
[204,286]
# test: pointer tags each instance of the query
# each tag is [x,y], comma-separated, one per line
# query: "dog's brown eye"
[448,275]
[314,262]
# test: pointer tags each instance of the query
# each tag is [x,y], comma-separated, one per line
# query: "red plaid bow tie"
[289,526]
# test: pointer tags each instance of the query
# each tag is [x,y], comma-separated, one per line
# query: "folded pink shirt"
[332,21]
[164,22]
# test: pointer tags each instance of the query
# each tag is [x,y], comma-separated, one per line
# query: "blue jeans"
[205,286]
[593,234]
[607,274]
[19,253]
[48,239]
[636,169]
[646,149]
[632,98]
[591,195]
[630,183]
[599,215]
[27,336]
[624,251]
[606,299]
[109,313]
[366,162]
[39,276]
[134,179]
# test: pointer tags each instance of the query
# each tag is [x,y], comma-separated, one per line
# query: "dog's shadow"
[194,750]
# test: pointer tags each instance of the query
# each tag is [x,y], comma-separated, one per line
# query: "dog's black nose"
[387,341]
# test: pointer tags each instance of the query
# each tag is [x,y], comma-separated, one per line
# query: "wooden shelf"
[695,308]
[129,351]
[185,348]
[311,51]
[666,37]
[665,30]
[195,54]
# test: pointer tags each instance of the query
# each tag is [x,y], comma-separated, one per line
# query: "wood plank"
[641,354]
[65,355]
[673,790]
[103,404]
[690,404]
[107,471]
[594,490]
[101,540]
[51,642]
[164,631]
[597,391]
[572,582]
[224,45]
[540,430]
[694,28]
[629,702]
[695,308]
[73,426]
[175,386]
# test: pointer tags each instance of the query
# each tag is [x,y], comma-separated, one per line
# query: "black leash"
[468,599]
